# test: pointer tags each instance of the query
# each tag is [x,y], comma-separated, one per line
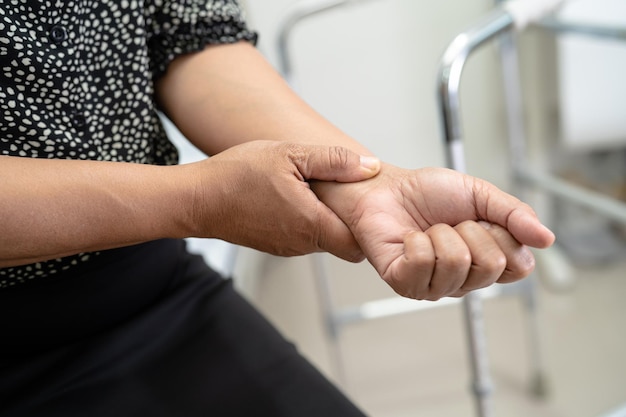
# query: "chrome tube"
[600,203]
[395,306]
[449,78]
[482,385]
[587,29]
[327,305]
[512,82]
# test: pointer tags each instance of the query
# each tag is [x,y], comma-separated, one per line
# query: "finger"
[411,273]
[488,259]
[526,228]
[496,206]
[332,163]
[520,261]
[459,294]
[453,261]
[335,237]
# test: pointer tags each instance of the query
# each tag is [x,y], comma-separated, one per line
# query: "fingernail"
[371,163]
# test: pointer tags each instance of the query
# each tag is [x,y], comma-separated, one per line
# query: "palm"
[414,201]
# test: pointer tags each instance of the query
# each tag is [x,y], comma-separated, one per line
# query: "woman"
[103,311]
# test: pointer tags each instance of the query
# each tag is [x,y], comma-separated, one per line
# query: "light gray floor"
[416,364]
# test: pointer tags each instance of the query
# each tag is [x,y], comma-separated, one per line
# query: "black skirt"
[150,331]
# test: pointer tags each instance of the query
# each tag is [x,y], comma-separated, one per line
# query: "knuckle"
[523,266]
[338,157]
[399,286]
[355,257]
[294,151]
[499,263]
[483,283]
[457,260]
[526,269]
[421,259]
[494,264]
[402,292]
[425,262]
[434,292]
[466,225]
[434,297]
[418,295]
[437,228]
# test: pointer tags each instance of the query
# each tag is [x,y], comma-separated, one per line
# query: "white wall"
[370,67]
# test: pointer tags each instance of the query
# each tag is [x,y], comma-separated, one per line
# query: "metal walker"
[499,25]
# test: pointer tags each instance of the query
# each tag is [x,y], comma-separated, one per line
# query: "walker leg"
[322,281]
[482,386]
[509,61]
[538,382]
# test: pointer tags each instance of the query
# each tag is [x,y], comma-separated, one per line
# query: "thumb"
[527,229]
[336,163]
[336,238]
[496,206]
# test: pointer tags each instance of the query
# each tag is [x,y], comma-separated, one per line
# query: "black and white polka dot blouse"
[77,79]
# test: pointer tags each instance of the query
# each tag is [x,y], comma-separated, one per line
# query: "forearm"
[53,208]
[229,94]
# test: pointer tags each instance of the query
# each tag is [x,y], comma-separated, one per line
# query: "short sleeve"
[182,26]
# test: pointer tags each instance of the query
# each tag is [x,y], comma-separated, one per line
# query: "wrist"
[182,204]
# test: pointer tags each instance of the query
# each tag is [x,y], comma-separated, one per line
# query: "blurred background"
[371,68]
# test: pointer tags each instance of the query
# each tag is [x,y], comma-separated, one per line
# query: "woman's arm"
[255,195]
[52,208]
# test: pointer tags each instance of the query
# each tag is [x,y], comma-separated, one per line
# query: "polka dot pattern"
[77,81]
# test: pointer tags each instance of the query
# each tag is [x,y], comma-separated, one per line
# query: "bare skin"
[282,180]
[53,208]
[427,243]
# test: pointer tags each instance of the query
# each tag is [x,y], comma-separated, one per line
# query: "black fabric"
[168,338]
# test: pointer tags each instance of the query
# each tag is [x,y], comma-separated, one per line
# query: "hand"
[435,232]
[257,195]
